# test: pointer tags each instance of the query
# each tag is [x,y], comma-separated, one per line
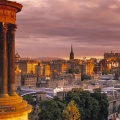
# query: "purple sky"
[49,27]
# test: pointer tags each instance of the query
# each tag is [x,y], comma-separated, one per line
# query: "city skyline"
[51,26]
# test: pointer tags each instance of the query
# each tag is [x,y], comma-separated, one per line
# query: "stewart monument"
[12,106]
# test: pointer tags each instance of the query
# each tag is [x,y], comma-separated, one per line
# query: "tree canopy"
[29,98]
[51,110]
[71,112]
[103,104]
[91,106]
[119,109]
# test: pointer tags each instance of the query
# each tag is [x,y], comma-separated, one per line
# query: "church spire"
[71,53]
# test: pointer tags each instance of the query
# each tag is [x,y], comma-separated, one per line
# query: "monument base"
[25,117]
[14,108]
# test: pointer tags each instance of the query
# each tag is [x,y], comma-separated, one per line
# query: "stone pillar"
[11,60]
[3,61]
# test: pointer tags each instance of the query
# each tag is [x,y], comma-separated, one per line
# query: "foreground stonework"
[12,106]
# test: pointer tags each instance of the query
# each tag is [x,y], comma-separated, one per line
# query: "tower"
[71,54]
[12,106]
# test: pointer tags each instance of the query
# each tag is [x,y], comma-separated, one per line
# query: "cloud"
[93,26]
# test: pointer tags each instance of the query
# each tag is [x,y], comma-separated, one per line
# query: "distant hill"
[49,58]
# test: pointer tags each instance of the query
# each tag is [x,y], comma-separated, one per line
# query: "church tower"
[71,54]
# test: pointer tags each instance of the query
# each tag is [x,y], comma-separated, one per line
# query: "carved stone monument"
[12,106]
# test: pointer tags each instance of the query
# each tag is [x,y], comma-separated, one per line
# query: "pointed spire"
[71,53]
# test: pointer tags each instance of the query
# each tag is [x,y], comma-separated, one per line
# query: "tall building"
[111,55]
[111,61]
[58,66]
[28,80]
[39,69]
[46,70]
[28,65]
[12,106]
[71,54]
[89,64]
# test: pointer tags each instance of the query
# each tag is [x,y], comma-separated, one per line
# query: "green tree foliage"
[97,90]
[29,98]
[88,106]
[91,106]
[119,109]
[51,110]
[71,112]
[103,103]
[60,103]
[77,89]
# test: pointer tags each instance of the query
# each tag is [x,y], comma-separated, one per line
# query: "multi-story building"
[57,67]
[46,70]
[111,61]
[39,69]
[74,66]
[89,67]
[111,55]
[28,80]
[63,67]
[28,65]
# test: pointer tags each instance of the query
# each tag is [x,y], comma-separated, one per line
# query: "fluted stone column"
[3,61]
[12,106]
[11,60]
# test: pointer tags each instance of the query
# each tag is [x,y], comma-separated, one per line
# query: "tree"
[71,112]
[119,109]
[92,106]
[77,90]
[97,90]
[88,106]
[103,103]
[51,110]
[29,98]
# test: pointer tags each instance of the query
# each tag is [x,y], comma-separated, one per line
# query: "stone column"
[3,61]
[11,60]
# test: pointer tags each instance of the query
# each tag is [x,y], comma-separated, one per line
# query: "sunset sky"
[47,28]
